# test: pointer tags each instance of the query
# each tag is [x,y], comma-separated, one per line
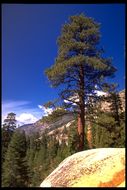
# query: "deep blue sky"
[29,34]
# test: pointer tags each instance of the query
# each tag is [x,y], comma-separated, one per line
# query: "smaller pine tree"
[15,168]
[115,106]
[73,139]
[7,130]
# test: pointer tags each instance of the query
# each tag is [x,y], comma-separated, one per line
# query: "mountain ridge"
[61,121]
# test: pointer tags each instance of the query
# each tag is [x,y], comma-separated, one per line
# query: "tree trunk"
[89,135]
[81,116]
[81,123]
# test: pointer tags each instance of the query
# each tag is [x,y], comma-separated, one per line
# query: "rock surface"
[103,167]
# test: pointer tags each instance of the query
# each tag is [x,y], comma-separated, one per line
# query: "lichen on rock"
[103,167]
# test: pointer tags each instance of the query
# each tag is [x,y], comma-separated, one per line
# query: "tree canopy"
[80,67]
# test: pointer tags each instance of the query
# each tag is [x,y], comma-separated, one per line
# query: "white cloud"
[26,118]
[23,110]
[13,106]
[46,111]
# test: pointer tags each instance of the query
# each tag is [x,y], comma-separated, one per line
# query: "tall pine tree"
[80,68]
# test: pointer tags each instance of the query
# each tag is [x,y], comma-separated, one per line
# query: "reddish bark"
[89,135]
[81,132]
[81,118]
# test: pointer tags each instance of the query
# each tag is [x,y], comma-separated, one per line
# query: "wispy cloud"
[23,110]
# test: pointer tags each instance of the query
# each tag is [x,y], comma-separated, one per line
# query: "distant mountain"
[31,128]
[40,128]
[62,121]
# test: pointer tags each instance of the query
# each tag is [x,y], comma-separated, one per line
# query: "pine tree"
[73,138]
[10,120]
[80,67]
[15,168]
[106,132]
[52,148]
[38,158]
[115,106]
[8,128]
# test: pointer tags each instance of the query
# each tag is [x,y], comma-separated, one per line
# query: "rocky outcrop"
[59,133]
[103,167]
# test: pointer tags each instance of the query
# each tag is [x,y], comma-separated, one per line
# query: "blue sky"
[29,34]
